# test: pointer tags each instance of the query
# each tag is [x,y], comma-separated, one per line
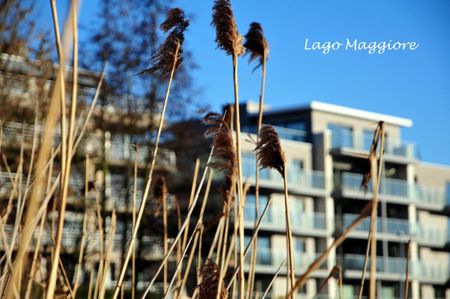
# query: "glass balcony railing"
[419,269]
[421,195]
[432,235]
[297,178]
[395,227]
[291,134]
[120,151]
[300,221]
[345,138]
[272,257]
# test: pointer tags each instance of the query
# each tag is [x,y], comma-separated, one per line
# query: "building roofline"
[336,109]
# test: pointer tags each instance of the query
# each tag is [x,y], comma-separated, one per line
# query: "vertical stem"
[290,249]
[165,238]
[149,180]
[133,255]
[240,182]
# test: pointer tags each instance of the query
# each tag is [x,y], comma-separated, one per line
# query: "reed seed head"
[224,153]
[169,54]
[227,36]
[256,43]
[377,134]
[268,150]
[159,193]
[210,280]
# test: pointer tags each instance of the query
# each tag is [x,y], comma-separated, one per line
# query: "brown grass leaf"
[268,149]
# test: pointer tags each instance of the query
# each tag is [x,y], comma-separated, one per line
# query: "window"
[341,136]
[299,245]
[249,208]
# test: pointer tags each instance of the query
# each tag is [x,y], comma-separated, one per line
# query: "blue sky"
[411,84]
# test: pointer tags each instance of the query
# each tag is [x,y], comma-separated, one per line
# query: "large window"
[341,136]
[264,253]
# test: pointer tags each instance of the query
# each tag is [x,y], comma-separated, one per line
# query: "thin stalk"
[179,241]
[191,197]
[83,230]
[91,284]
[260,220]
[33,269]
[188,265]
[290,248]
[149,181]
[133,253]
[184,223]
[197,231]
[273,279]
[373,231]
[112,232]
[337,242]
[240,179]
[259,125]
[165,237]
[102,246]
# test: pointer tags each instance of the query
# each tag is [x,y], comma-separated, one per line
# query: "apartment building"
[326,148]
[109,143]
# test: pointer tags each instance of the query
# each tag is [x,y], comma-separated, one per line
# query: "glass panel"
[341,135]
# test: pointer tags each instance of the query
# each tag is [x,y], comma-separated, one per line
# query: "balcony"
[313,224]
[345,140]
[434,236]
[120,152]
[394,190]
[305,182]
[269,259]
[395,267]
[389,228]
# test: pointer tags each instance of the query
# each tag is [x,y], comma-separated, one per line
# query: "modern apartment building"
[326,148]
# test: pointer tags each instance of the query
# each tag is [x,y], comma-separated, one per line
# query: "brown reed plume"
[270,155]
[269,152]
[224,151]
[372,153]
[170,53]
[229,39]
[227,36]
[210,281]
[256,43]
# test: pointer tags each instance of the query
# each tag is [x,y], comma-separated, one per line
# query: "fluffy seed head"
[171,50]
[256,43]
[210,281]
[268,150]
[372,153]
[227,36]
[224,152]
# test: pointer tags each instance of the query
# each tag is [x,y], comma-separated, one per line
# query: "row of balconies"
[16,133]
[394,190]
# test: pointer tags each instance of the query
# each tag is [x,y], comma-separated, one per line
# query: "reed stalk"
[273,279]
[336,243]
[133,253]
[112,232]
